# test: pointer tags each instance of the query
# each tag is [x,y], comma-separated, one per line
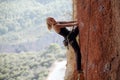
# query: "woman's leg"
[68,35]
[72,40]
[76,48]
[73,34]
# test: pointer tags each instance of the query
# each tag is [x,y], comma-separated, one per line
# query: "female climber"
[69,36]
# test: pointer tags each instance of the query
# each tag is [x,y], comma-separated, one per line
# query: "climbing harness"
[66,40]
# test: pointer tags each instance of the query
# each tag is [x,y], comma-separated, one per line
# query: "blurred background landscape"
[27,49]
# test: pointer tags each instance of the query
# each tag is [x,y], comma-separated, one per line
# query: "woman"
[70,36]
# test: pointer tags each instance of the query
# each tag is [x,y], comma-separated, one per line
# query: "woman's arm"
[66,22]
[67,25]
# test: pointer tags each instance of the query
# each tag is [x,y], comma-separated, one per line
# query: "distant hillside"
[29,65]
[22,23]
[36,45]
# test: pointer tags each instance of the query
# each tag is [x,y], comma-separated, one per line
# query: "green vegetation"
[25,50]
[24,20]
[23,23]
[29,66]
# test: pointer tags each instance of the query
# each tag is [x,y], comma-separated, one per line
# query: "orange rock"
[99,25]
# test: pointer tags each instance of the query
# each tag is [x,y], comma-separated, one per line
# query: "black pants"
[71,39]
[70,35]
[76,48]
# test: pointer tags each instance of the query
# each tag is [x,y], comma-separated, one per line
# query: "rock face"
[99,26]
[71,65]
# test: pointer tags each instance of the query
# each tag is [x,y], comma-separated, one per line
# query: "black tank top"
[64,32]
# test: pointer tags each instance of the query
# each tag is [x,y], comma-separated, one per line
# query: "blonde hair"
[49,26]
[49,22]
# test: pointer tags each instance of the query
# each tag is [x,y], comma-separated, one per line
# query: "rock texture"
[99,26]
[71,72]
[70,67]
